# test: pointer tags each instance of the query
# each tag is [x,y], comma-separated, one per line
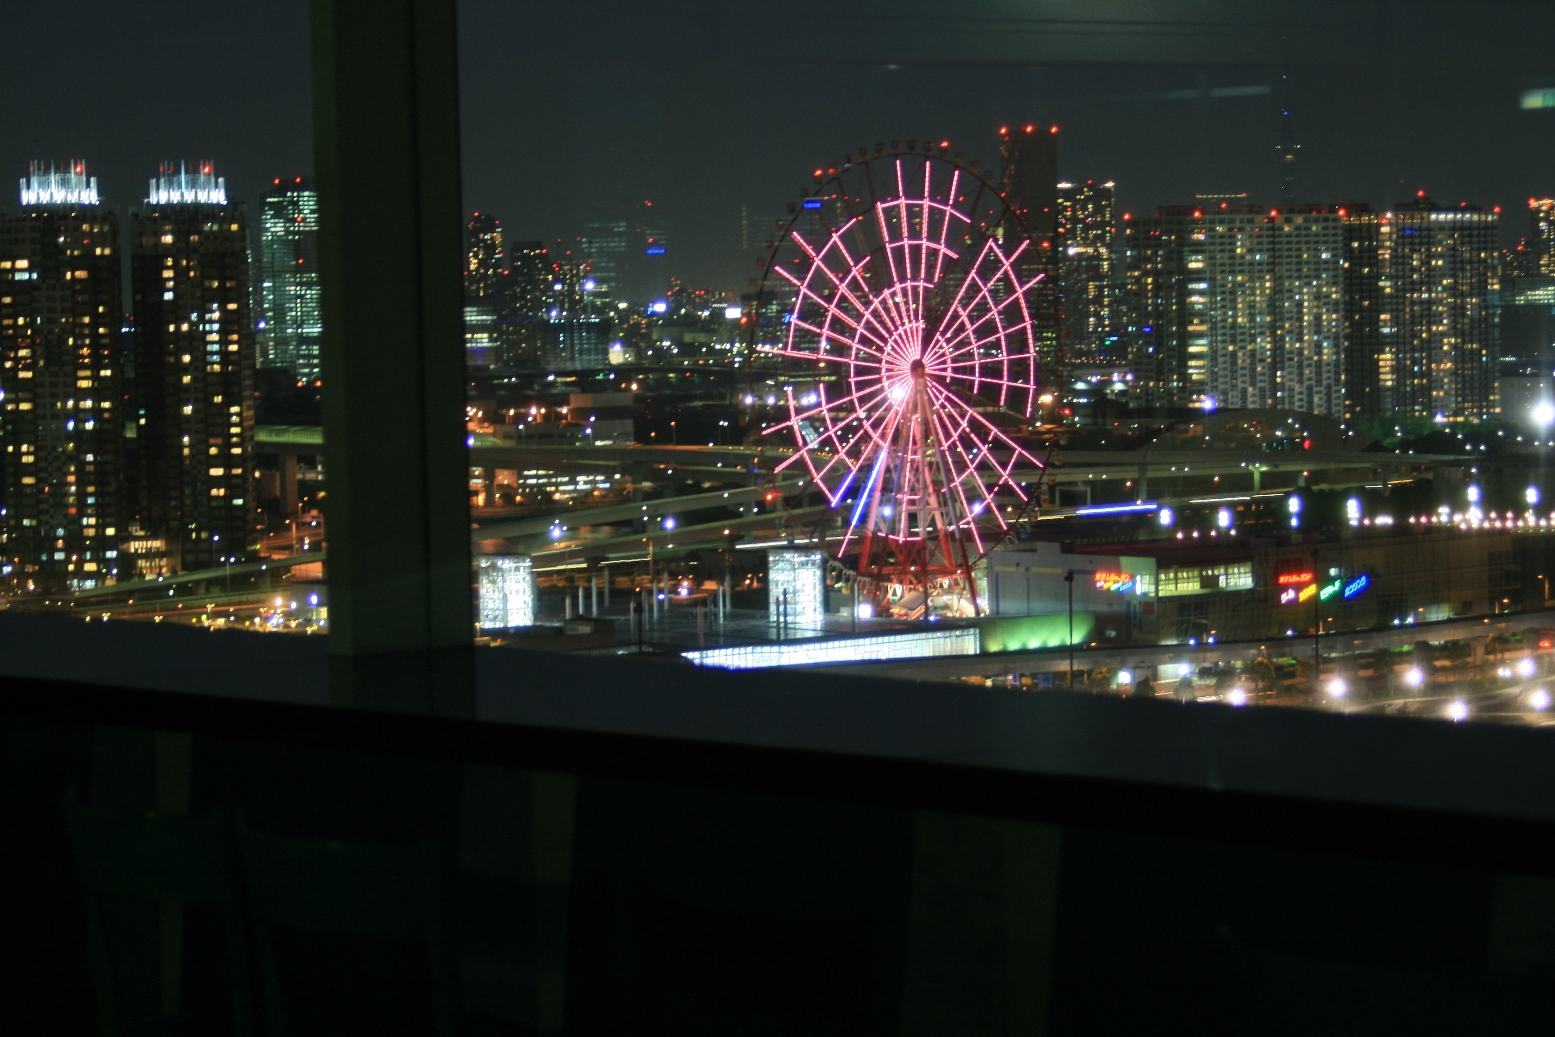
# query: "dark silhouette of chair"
[131,862]
[402,893]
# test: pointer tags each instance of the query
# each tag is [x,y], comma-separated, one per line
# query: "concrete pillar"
[386,141]
[288,485]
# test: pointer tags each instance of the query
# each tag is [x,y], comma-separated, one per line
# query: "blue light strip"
[869,488]
[1116,509]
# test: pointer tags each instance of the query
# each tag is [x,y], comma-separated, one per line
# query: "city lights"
[1457,710]
[1166,517]
[1337,689]
[1414,677]
[1539,699]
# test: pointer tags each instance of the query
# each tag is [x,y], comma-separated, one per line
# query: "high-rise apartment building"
[1029,180]
[1232,305]
[1542,213]
[62,424]
[1168,370]
[1087,233]
[290,321]
[1438,326]
[194,367]
[577,331]
[485,277]
[1366,364]
[485,260]
[520,337]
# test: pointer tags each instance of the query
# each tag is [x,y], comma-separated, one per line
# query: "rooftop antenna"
[1287,146]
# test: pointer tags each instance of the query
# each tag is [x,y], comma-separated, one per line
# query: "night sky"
[582,110]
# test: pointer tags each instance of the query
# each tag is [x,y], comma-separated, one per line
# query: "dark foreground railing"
[614,847]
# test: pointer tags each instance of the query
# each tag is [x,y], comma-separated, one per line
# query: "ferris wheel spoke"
[895,275]
[994,310]
[818,262]
[955,478]
[858,272]
[949,213]
[827,335]
[949,399]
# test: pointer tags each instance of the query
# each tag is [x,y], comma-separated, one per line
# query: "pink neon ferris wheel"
[910,339]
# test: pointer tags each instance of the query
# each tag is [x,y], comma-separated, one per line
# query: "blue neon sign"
[812,203]
[1357,585]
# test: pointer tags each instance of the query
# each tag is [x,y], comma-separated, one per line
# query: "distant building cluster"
[1342,310]
[603,301]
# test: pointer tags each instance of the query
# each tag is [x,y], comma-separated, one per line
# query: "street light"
[1069,580]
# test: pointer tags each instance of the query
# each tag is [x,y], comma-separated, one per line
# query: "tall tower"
[1166,373]
[62,422]
[1541,212]
[604,246]
[577,334]
[1438,328]
[484,257]
[484,278]
[291,324]
[1288,148]
[1368,368]
[520,339]
[1029,179]
[1087,271]
[194,367]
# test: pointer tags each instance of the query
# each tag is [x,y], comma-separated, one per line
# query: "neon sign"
[1292,579]
[1329,590]
[1288,596]
[1357,585]
[1122,583]
[1307,593]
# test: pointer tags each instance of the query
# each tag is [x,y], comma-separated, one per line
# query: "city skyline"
[712,136]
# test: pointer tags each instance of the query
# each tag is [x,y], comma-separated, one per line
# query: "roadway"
[1325,467]
[1141,657]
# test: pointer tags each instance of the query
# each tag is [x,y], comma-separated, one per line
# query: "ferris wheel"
[904,293]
